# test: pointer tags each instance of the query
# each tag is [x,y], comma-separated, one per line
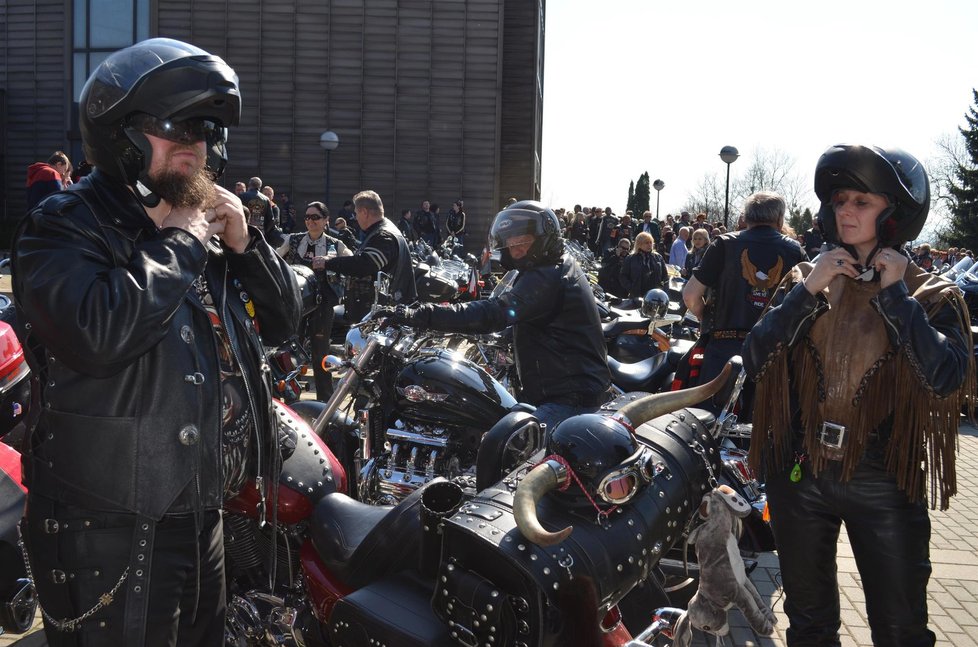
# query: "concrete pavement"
[952,593]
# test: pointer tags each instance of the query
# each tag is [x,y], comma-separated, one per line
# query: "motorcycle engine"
[413,454]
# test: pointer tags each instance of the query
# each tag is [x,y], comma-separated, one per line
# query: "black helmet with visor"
[527,218]
[890,172]
[161,87]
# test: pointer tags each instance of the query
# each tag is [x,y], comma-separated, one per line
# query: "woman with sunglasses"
[312,248]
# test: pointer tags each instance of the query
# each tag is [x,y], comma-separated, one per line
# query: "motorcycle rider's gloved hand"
[418,317]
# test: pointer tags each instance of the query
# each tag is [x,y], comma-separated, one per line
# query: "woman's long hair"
[643,237]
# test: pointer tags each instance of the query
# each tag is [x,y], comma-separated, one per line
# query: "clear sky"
[662,85]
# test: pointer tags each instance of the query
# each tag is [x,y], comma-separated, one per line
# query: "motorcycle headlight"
[355,343]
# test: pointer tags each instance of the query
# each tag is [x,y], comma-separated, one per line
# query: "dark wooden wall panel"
[432,99]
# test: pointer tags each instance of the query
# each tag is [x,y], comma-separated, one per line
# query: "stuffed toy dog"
[723,578]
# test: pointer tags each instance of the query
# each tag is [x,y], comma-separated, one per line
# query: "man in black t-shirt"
[739,273]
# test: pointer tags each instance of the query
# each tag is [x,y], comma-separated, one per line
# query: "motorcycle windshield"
[960,268]
[505,284]
[968,277]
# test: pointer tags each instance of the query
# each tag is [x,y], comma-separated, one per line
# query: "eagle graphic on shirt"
[762,284]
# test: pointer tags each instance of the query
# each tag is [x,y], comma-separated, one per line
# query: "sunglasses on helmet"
[621,484]
[186,131]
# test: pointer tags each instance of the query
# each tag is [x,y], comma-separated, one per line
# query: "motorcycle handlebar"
[345,387]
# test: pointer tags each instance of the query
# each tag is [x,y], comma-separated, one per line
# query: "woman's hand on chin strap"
[829,265]
[891,265]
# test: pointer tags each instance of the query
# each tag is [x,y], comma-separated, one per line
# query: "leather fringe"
[924,439]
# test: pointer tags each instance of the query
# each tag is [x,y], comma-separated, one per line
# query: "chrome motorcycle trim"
[347,384]
[411,437]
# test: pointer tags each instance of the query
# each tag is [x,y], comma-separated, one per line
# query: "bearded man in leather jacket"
[560,351]
[144,291]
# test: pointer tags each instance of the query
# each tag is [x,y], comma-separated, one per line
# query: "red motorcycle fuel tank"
[442,387]
[309,473]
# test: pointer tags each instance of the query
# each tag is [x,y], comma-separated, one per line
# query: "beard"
[181,190]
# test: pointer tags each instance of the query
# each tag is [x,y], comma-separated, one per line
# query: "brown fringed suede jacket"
[893,365]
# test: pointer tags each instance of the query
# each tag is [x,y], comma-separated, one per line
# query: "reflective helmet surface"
[166,79]
[887,171]
[655,304]
[593,445]
[522,218]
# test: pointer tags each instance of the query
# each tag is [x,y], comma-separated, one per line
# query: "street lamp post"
[658,185]
[729,155]
[329,141]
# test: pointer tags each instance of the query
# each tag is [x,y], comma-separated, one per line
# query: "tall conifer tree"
[963,231]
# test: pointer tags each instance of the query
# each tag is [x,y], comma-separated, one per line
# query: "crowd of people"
[154,403]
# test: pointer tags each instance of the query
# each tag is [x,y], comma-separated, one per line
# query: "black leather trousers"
[890,542]
[319,328]
[172,596]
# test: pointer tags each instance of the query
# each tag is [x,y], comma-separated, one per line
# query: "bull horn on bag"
[636,413]
[534,486]
[548,475]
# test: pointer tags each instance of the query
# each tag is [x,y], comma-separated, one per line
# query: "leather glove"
[414,317]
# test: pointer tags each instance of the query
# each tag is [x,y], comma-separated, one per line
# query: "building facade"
[431,99]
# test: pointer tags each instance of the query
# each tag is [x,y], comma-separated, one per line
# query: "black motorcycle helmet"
[169,83]
[890,172]
[655,305]
[595,447]
[522,218]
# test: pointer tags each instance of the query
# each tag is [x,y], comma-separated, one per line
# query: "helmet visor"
[516,227]
[186,131]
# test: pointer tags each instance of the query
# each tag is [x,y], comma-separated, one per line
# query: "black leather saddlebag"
[492,582]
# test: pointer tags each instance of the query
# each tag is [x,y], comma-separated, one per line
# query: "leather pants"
[319,328]
[173,594]
[890,542]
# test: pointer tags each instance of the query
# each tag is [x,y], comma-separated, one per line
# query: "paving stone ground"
[952,593]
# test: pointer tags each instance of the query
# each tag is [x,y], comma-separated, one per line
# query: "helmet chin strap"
[144,193]
[142,184]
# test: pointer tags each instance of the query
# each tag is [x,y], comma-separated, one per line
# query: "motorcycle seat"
[639,376]
[361,543]
[619,325]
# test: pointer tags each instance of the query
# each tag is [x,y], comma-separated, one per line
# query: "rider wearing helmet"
[738,274]
[560,350]
[144,290]
[862,366]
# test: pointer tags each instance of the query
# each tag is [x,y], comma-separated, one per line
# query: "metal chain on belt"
[65,624]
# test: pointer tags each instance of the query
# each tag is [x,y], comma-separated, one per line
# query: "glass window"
[102,27]
[111,23]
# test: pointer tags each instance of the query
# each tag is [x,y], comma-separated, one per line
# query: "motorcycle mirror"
[332,363]
[729,394]
[382,286]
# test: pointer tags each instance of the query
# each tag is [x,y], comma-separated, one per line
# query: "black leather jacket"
[638,278]
[131,394]
[560,349]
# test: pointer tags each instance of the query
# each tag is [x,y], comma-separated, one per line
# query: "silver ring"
[840,262]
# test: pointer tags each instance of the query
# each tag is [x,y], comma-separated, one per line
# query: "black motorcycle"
[422,411]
